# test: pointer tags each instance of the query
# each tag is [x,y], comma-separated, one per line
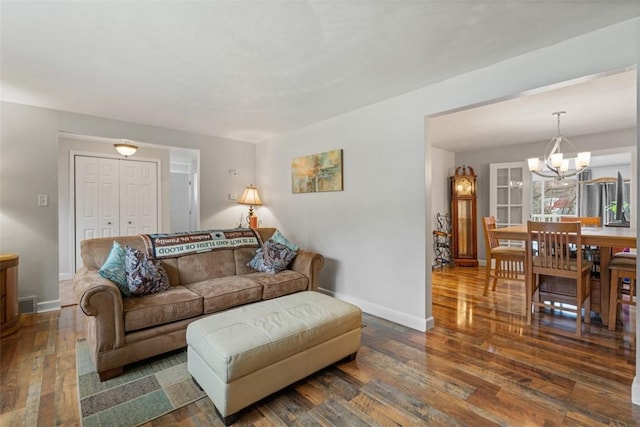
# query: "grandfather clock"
[463,217]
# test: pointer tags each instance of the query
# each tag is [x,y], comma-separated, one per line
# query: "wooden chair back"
[549,254]
[621,266]
[592,252]
[585,221]
[488,224]
[552,243]
[509,261]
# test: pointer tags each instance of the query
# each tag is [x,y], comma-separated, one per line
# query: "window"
[509,195]
[552,199]
[508,198]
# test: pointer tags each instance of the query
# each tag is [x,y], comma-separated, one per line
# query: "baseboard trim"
[429,323]
[45,306]
[386,313]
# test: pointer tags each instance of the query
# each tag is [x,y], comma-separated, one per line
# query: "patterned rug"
[147,390]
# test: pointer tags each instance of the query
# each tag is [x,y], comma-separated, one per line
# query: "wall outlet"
[43,200]
[233,196]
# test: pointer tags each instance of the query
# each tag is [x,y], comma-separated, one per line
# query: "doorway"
[601,108]
[181,202]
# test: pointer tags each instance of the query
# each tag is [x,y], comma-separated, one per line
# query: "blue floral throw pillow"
[145,275]
[279,238]
[114,269]
[272,258]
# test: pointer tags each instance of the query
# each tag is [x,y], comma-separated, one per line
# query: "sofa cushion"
[206,265]
[114,269]
[94,252]
[171,267]
[225,292]
[145,275]
[243,256]
[283,283]
[174,304]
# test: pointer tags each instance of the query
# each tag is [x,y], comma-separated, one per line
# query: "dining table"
[607,239]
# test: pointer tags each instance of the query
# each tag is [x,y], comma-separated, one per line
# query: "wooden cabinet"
[464,224]
[9,313]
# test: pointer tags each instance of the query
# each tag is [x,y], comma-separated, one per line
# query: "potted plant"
[613,208]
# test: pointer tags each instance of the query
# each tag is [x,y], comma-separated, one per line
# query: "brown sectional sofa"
[124,330]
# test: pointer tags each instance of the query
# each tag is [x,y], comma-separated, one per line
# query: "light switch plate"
[43,200]
[233,196]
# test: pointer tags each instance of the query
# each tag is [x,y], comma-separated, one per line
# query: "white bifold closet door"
[114,197]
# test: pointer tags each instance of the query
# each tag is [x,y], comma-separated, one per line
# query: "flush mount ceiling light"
[553,164]
[125,148]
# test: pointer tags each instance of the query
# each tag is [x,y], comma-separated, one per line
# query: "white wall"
[375,233]
[29,166]
[372,233]
[442,167]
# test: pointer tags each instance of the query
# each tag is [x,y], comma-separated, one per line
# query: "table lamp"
[251,197]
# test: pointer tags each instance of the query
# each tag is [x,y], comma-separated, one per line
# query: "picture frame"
[316,173]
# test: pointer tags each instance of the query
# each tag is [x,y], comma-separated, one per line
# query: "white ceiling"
[592,105]
[250,70]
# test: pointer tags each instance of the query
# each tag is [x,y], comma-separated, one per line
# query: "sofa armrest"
[101,300]
[309,264]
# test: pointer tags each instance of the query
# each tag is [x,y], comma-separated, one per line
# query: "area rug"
[147,390]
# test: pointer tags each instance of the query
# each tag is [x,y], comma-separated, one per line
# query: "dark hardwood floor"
[480,365]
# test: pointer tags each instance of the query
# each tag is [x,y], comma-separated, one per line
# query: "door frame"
[191,176]
[72,195]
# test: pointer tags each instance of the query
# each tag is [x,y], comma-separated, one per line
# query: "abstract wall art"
[317,172]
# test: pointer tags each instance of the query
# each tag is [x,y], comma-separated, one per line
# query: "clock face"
[464,187]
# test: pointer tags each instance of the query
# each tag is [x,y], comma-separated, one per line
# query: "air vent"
[28,304]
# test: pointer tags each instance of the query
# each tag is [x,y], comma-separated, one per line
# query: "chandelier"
[553,164]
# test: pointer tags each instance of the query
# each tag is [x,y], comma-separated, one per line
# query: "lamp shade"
[534,164]
[125,149]
[583,160]
[250,196]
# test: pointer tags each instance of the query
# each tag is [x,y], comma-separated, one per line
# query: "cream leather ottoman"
[242,355]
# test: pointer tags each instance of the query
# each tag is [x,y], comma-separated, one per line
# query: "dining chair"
[590,252]
[549,257]
[509,261]
[585,221]
[622,266]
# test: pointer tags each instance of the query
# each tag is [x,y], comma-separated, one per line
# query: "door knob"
[109,223]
